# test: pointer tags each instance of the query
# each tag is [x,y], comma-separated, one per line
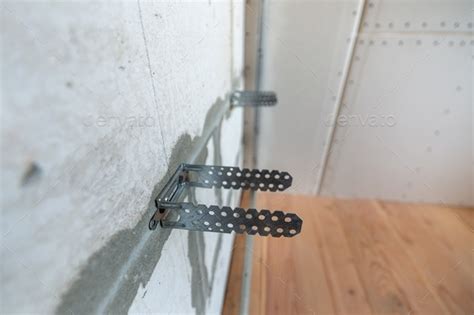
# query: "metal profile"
[172,213]
[253,98]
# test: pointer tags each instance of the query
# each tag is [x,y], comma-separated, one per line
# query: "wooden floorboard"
[365,257]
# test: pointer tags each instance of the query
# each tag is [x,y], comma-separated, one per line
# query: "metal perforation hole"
[287,176]
[248,216]
[257,175]
[206,223]
[279,230]
[280,186]
[215,182]
[236,215]
[210,172]
[200,211]
[261,217]
[252,185]
[229,173]
[211,212]
[266,229]
[287,220]
[247,175]
[277,176]
[261,185]
[219,173]
[230,225]
[222,230]
[254,228]
[267,176]
[222,168]
[274,218]
[242,227]
[187,210]
[234,183]
[271,185]
[209,228]
[242,184]
[293,231]
[224,182]
[212,167]
[238,174]
[224,214]
[206,181]
[218,224]
[195,222]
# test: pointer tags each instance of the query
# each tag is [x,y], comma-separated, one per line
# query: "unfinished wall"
[404,129]
[100,103]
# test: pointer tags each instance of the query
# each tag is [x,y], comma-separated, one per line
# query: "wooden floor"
[364,257]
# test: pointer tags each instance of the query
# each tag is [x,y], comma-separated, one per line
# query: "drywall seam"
[340,94]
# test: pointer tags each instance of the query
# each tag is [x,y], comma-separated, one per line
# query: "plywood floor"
[365,257]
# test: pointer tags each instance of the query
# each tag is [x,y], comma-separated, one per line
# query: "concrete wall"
[404,129]
[100,103]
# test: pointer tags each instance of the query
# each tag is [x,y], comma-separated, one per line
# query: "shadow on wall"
[110,280]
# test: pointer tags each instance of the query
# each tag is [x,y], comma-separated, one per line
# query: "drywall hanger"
[172,213]
[253,98]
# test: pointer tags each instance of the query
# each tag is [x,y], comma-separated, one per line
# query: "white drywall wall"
[100,102]
[304,48]
[405,127]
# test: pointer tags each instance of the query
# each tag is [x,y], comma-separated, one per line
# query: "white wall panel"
[412,78]
[304,48]
[405,125]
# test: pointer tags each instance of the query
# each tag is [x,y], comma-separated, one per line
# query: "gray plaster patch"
[110,280]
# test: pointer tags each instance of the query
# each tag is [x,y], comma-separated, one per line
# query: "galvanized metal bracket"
[253,98]
[172,213]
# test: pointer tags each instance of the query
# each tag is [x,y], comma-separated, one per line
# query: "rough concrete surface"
[100,102]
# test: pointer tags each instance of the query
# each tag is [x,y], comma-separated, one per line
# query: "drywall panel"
[405,132]
[304,46]
[405,127]
[100,102]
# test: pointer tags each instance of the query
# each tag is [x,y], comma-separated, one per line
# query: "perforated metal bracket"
[253,98]
[171,213]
